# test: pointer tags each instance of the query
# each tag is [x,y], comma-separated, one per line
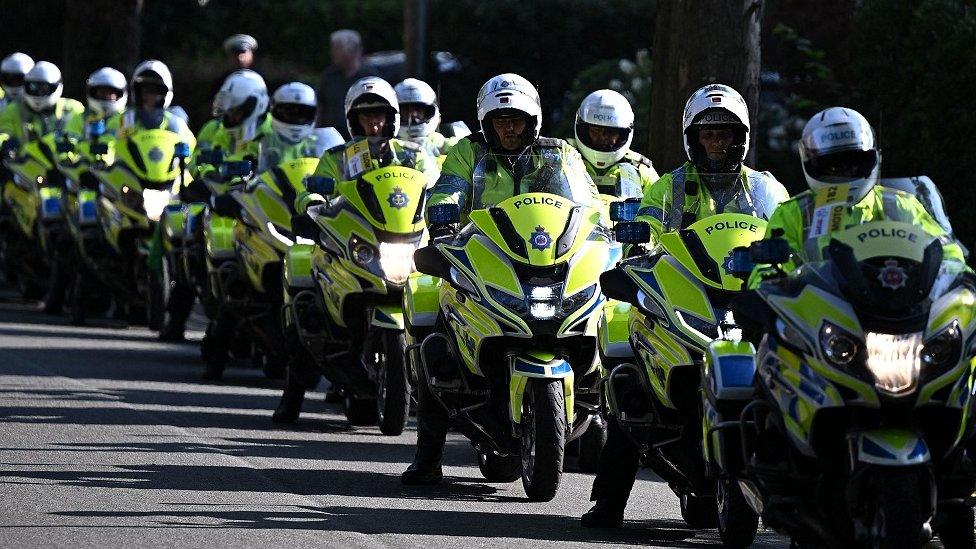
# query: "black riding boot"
[619,462]
[299,377]
[432,426]
[177,311]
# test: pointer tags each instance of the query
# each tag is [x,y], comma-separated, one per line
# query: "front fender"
[298,266]
[890,447]
[539,365]
[387,316]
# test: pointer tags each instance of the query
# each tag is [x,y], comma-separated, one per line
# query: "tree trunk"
[698,42]
[98,33]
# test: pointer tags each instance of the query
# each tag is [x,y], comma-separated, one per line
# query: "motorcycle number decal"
[398,199]
[540,239]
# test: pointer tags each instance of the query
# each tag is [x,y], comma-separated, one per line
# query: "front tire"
[737,522]
[392,389]
[895,513]
[543,438]
[698,512]
[956,530]
[496,468]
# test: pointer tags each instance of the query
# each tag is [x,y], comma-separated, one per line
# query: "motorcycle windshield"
[36,159]
[886,269]
[539,229]
[391,199]
[705,247]
[150,155]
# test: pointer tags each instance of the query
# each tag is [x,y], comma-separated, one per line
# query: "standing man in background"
[346,53]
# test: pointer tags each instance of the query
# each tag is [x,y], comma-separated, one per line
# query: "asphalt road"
[110,439]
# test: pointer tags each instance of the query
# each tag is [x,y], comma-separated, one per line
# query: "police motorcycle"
[36,243]
[248,286]
[80,206]
[511,347]
[860,431]
[345,292]
[135,194]
[680,294]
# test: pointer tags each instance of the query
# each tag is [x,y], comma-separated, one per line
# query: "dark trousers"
[432,425]
[619,462]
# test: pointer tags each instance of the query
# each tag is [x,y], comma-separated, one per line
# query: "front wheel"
[392,389]
[543,438]
[956,530]
[894,513]
[737,522]
[496,468]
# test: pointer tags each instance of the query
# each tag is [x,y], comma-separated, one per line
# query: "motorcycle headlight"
[515,304]
[893,360]
[155,201]
[396,260]
[363,253]
[943,349]
[839,347]
[543,301]
[577,300]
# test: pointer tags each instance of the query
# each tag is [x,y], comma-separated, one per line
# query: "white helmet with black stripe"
[106,80]
[152,74]
[43,86]
[368,94]
[507,95]
[606,111]
[293,111]
[13,70]
[716,105]
[838,147]
[414,94]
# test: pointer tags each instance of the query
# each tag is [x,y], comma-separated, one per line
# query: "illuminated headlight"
[154,202]
[396,260]
[893,360]
[543,301]
[839,347]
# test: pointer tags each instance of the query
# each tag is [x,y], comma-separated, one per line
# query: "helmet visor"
[234,116]
[11,79]
[842,166]
[416,113]
[294,113]
[602,138]
[40,89]
[105,93]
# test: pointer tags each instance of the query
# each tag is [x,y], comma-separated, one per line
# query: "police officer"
[480,171]
[712,181]
[604,131]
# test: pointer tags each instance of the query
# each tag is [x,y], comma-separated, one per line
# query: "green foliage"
[630,78]
[915,80]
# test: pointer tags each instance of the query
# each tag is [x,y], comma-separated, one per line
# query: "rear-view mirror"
[773,251]
[318,184]
[181,150]
[740,263]
[633,232]
[624,210]
[443,214]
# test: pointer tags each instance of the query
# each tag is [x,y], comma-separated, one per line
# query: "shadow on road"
[540,527]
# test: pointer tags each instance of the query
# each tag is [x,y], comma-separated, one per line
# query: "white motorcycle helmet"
[716,105]
[370,93]
[110,79]
[609,110]
[293,111]
[413,92]
[43,86]
[837,147]
[153,73]
[243,99]
[505,95]
[13,70]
